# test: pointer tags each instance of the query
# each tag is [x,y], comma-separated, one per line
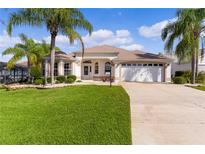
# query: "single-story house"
[99,61]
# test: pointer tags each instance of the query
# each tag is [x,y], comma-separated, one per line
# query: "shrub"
[179,73]
[185,74]
[38,81]
[72,77]
[61,79]
[36,72]
[200,77]
[48,79]
[57,82]
[69,80]
[179,80]
[78,81]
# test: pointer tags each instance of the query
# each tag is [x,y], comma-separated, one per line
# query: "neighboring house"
[124,65]
[186,66]
[17,73]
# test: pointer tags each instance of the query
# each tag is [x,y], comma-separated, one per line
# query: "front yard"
[71,115]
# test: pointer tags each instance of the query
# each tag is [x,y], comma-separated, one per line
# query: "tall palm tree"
[20,50]
[73,35]
[56,20]
[186,30]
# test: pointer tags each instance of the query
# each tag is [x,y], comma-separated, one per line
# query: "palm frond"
[12,51]
[14,59]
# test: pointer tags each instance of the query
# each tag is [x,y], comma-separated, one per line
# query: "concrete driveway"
[166,114]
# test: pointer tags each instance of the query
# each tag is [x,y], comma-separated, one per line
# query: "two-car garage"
[145,72]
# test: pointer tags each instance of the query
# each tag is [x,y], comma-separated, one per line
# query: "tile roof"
[126,55]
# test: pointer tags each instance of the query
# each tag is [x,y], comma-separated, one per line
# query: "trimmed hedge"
[179,80]
[61,79]
[72,77]
[69,80]
[48,79]
[39,81]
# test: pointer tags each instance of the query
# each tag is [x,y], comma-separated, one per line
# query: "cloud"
[119,38]
[59,39]
[62,42]
[154,31]
[5,42]
[122,33]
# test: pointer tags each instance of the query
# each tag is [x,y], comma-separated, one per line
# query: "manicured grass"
[71,115]
[199,87]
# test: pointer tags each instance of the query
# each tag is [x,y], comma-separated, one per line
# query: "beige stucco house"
[124,65]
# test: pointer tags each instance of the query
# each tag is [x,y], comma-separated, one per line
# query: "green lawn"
[199,87]
[71,115]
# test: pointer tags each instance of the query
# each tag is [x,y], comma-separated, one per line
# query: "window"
[155,64]
[128,64]
[160,64]
[123,64]
[139,64]
[56,69]
[107,67]
[133,64]
[144,64]
[149,64]
[96,68]
[67,70]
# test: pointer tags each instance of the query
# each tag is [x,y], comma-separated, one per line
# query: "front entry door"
[87,72]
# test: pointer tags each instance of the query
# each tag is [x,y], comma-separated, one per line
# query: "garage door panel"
[142,73]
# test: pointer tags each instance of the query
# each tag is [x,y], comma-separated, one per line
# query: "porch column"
[165,72]
[61,67]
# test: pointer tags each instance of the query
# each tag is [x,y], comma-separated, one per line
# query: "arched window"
[107,67]
[96,68]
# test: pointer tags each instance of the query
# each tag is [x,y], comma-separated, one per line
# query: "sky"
[131,29]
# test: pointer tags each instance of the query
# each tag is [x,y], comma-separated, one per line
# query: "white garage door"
[142,72]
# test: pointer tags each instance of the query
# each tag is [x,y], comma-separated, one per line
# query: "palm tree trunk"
[197,61]
[193,65]
[29,71]
[53,38]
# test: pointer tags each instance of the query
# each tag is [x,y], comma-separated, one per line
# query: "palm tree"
[25,49]
[56,20]
[43,49]
[73,35]
[186,29]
